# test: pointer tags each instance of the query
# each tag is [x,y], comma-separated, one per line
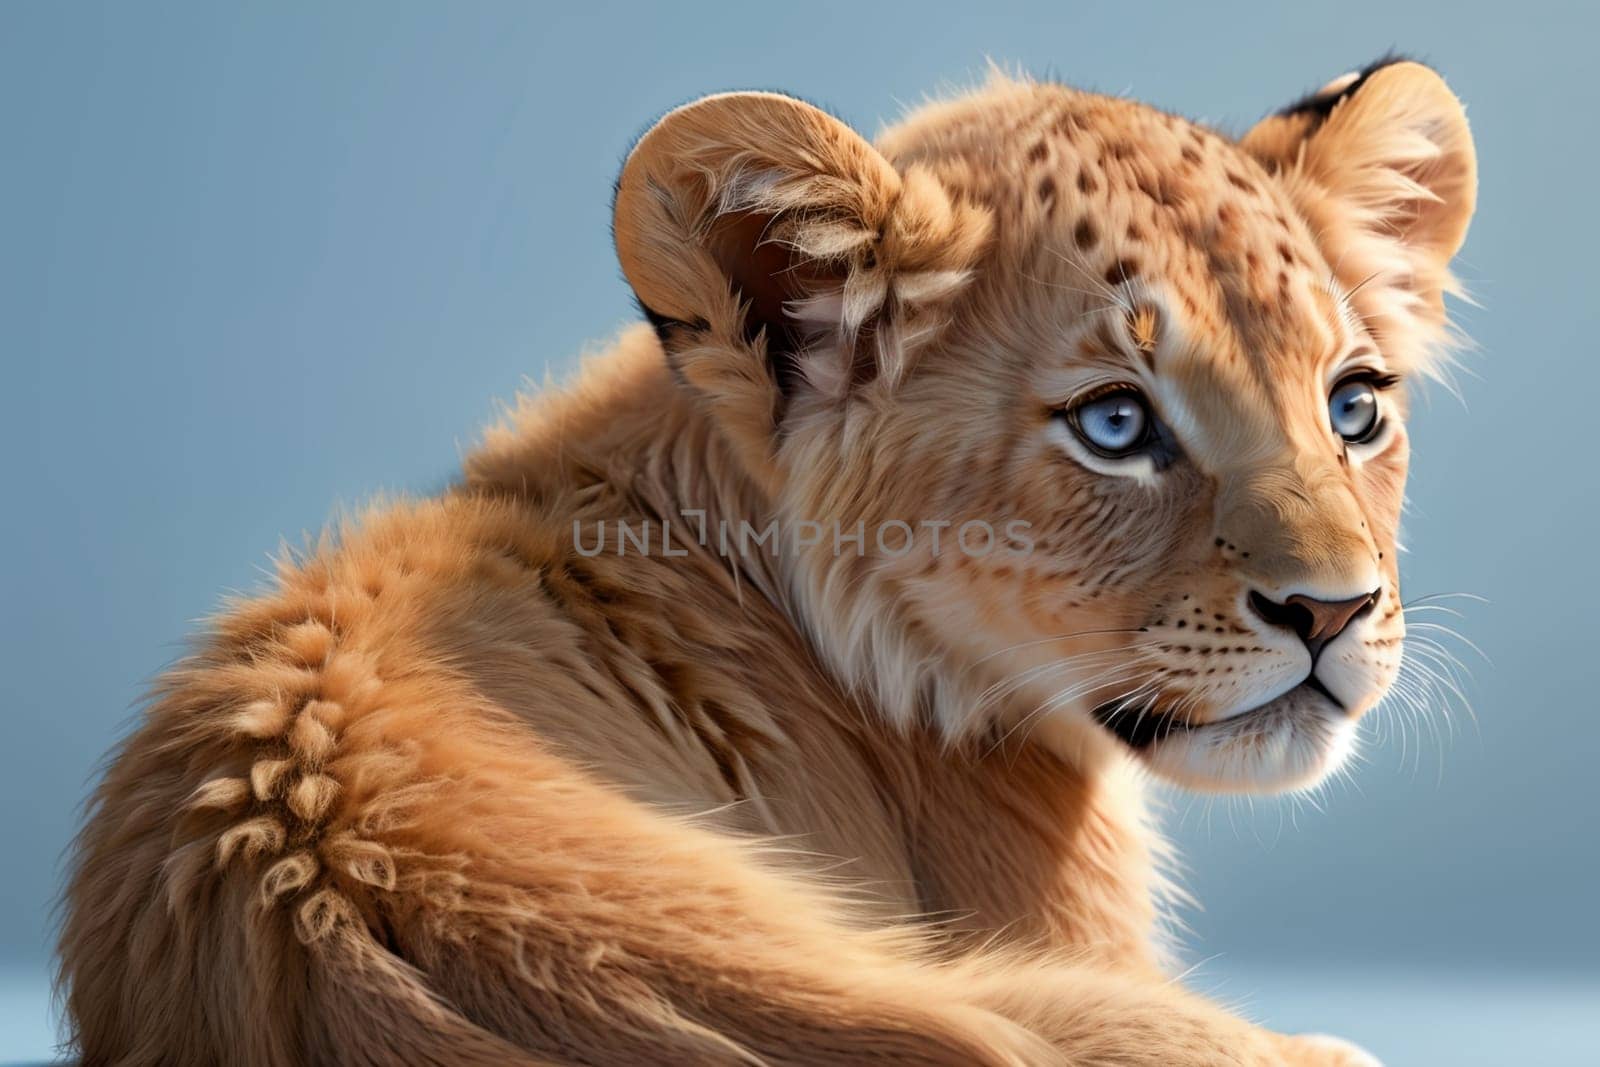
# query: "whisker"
[1434,627]
[1057,637]
[1006,686]
[1113,677]
[1431,597]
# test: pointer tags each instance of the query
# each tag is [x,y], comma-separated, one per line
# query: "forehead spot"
[1084,234]
[1155,186]
[1047,192]
[1122,270]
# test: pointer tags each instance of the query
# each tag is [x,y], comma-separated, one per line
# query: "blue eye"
[1353,410]
[1113,424]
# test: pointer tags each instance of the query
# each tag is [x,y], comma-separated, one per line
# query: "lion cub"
[780,691]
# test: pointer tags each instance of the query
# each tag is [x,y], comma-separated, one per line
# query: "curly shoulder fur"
[589,760]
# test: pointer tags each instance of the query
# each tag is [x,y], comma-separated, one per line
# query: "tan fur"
[458,791]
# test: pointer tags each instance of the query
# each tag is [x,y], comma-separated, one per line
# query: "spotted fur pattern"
[456,790]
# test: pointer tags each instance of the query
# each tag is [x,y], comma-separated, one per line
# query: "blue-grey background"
[259,262]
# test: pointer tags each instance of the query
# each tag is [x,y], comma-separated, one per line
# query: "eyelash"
[1379,380]
[1098,392]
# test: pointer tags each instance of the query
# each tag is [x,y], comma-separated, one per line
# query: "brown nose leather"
[1316,622]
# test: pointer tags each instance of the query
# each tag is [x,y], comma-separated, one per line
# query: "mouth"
[1292,741]
[1143,730]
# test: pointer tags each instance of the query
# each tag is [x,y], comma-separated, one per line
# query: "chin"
[1293,741]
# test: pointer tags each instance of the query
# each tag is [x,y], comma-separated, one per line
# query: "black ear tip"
[1389,59]
[664,324]
[1319,104]
[658,321]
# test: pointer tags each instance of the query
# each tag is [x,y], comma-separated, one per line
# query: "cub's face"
[1202,513]
[1116,405]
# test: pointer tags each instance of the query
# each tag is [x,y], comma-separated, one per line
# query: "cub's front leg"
[1093,1016]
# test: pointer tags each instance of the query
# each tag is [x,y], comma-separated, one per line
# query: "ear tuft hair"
[758,224]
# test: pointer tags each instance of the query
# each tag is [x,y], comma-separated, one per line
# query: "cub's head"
[1083,424]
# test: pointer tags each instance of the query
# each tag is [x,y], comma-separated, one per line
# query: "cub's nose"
[1316,622]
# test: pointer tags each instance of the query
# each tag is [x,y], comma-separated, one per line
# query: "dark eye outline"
[1378,382]
[1150,436]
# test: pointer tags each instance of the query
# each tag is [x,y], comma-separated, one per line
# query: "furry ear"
[1381,162]
[774,249]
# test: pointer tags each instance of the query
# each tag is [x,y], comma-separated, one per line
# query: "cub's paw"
[1321,1050]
